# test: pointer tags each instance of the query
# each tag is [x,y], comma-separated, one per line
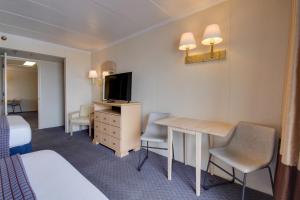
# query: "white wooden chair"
[81,118]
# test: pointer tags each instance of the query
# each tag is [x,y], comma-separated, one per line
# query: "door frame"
[4,82]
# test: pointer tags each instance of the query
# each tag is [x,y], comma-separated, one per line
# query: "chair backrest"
[84,110]
[155,129]
[254,139]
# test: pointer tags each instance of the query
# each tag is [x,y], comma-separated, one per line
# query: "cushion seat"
[154,137]
[80,120]
[239,160]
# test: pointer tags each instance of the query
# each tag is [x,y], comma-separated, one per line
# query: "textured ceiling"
[91,24]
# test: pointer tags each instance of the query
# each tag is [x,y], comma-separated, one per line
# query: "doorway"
[35,90]
[22,89]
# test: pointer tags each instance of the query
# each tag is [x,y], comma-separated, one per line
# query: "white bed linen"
[19,131]
[54,178]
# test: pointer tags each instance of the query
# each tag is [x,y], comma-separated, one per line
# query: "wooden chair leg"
[71,129]
[90,130]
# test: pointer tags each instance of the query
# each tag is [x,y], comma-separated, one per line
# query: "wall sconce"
[211,37]
[93,75]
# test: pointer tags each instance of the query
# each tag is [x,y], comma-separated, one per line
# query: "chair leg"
[71,129]
[141,163]
[90,130]
[271,178]
[244,186]
[205,175]
[233,175]
[206,187]
[147,148]
[173,152]
[140,154]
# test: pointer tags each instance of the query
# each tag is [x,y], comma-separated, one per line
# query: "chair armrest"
[73,114]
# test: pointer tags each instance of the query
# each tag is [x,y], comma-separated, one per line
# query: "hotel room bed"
[19,135]
[52,177]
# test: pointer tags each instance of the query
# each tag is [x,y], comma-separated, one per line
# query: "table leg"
[170,152]
[198,162]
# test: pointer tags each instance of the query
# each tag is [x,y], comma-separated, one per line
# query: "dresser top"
[116,104]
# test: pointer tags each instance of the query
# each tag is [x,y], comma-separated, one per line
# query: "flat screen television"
[118,87]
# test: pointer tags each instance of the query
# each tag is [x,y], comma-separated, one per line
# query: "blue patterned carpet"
[118,178]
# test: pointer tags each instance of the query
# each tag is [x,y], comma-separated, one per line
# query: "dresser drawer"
[105,140]
[114,131]
[97,116]
[115,120]
[97,136]
[97,126]
[114,143]
[104,128]
[105,118]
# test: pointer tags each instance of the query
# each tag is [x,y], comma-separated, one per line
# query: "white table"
[194,127]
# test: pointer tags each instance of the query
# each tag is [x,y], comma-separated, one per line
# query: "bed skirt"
[26,148]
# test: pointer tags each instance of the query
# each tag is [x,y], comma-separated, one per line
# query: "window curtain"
[287,180]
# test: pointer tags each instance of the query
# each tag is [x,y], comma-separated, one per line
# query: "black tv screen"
[118,87]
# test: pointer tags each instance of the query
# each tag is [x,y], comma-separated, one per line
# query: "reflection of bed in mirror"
[19,135]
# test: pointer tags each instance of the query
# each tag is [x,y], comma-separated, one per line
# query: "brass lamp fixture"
[211,37]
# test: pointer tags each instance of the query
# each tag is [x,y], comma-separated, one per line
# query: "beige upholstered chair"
[81,118]
[251,148]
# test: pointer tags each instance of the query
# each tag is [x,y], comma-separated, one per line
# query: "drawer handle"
[114,143]
[114,120]
[104,118]
[105,129]
[114,132]
[104,139]
[96,126]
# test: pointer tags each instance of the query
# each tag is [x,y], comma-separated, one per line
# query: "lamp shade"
[212,35]
[93,74]
[187,41]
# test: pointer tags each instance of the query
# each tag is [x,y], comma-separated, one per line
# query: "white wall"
[22,85]
[247,86]
[77,65]
[51,94]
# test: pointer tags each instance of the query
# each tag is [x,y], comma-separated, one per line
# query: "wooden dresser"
[118,126]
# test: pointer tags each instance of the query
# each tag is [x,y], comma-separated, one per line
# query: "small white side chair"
[81,118]
[153,133]
[250,148]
